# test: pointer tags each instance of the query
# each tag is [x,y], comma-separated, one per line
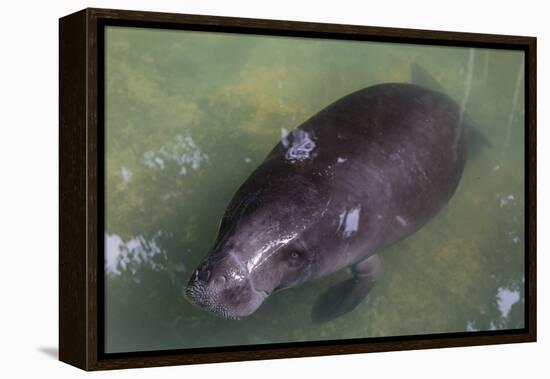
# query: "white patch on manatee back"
[349,222]
[301,147]
[401,220]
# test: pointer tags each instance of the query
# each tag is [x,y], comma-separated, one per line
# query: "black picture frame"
[81,274]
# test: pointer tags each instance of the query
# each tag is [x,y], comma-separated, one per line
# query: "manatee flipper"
[345,296]
[421,77]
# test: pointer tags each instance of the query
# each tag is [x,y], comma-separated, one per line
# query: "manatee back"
[396,150]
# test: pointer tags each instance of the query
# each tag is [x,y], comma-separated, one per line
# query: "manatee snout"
[221,285]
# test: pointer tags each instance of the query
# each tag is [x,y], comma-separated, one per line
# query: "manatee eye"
[294,257]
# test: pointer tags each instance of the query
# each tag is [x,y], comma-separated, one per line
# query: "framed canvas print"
[237,189]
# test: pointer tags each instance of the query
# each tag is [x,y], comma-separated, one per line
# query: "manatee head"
[260,249]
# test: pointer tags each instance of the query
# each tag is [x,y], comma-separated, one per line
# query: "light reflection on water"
[122,256]
[184,130]
[506,299]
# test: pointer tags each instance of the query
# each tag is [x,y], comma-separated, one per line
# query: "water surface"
[189,115]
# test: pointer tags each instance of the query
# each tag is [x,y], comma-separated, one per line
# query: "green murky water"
[189,115]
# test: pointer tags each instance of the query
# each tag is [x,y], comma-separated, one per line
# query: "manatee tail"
[477,140]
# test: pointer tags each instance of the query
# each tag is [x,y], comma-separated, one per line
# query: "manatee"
[363,173]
